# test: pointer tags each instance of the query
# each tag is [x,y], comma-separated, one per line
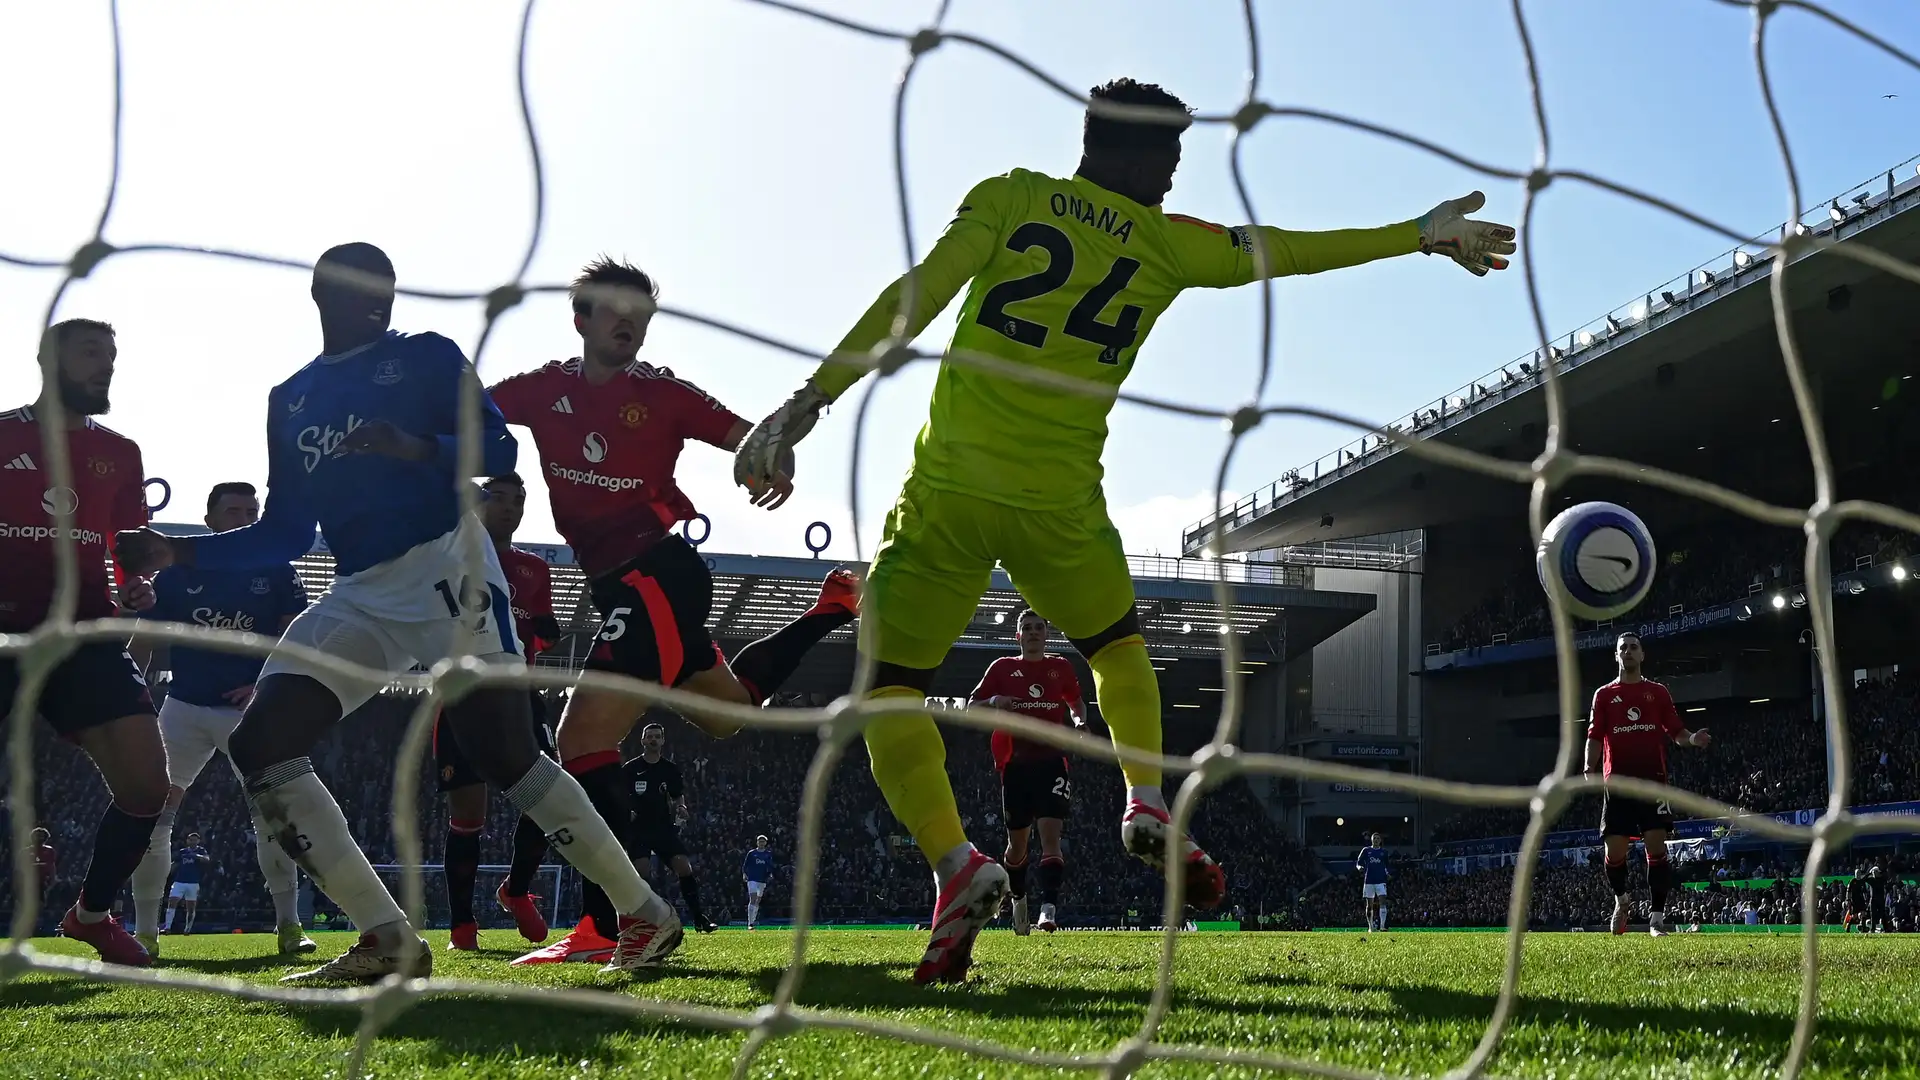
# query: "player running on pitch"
[610,429]
[1068,277]
[530,593]
[1034,788]
[363,441]
[1633,719]
[1372,864]
[756,870]
[659,809]
[184,898]
[203,707]
[95,697]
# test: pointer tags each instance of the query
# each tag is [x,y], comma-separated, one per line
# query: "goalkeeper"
[1068,276]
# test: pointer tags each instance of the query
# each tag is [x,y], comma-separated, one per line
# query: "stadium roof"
[1692,364]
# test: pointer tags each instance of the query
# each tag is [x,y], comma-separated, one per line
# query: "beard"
[80,399]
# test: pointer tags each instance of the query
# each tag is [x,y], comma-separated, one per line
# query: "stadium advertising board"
[1690,829]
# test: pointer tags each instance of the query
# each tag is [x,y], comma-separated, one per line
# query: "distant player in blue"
[363,442]
[203,707]
[757,870]
[1372,865]
[186,882]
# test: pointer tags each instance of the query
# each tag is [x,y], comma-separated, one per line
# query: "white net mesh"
[40,652]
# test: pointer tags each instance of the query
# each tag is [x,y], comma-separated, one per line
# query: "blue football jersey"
[370,508]
[256,601]
[758,866]
[1373,864]
[186,865]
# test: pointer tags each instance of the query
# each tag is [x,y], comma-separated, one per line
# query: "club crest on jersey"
[633,414]
[594,449]
[59,500]
[386,372]
[259,586]
[100,466]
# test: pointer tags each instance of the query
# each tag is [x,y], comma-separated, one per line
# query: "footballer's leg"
[1616,846]
[1070,566]
[190,745]
[281,874]
[529,846]
[96,699]
[466,796]
[1015,860]
[934,561]
[764,665]
[1053,868]
[1659,880]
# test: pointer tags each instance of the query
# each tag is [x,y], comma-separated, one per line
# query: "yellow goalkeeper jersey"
[1068,280]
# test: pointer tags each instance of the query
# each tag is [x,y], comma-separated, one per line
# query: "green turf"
[1593,1006]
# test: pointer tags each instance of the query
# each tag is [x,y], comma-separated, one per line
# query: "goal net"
[1219,760]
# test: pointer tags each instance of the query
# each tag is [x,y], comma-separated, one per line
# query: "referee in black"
[659,809]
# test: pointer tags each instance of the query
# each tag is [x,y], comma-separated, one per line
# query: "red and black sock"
[765,664]
[463,867]
[1053,874]
[1016,878]
[1617,876]
[1659,880]
[119,843]
[529,847]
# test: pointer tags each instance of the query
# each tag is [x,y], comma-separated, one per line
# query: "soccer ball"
[1598,559]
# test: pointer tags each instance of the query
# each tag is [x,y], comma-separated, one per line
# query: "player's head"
[41,836]
[760,843]
[84,352]
[503,505]
[353,288]
[1134,155]
[653,739]
[1626,650]
[612,304]
[193,839]
[1030,630]
[1375,839]
[232,505]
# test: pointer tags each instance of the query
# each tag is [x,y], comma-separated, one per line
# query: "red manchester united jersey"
[609,452]
[1043,689]
[1634,722]
[108,494]
[530,588]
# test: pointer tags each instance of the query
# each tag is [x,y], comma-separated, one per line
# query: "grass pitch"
[1592,1006]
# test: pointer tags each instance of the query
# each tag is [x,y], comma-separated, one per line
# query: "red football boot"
[1146,831]
[969,902]
[584,945]
[108,938]
[526,913]
[465,937]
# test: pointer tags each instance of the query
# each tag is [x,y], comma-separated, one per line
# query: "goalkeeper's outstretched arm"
[1252,252]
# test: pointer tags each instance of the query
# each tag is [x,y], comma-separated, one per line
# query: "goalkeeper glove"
[767,451]
[1478,246]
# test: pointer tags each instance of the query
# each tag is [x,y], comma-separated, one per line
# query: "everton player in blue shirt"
[363,442]
[1372,865]
[203,706]
[186,883]
[757,870]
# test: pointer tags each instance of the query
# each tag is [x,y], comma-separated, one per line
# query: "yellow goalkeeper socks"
[1129,699]
[910,764]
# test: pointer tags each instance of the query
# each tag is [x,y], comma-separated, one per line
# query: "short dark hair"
[605,273]
[505,478]
[66,328]
[1624,635]
[40,830]
[1113,133]
[1028,613]
[231,487]
[661,728]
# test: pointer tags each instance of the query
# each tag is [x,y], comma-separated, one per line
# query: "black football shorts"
[653,613]
[1624,816]
[1034,788]
[96,684]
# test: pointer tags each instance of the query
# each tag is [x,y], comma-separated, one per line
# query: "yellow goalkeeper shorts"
[936,558]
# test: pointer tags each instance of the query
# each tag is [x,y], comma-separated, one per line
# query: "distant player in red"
[610,429]
[530,591]
[1034,788]
[1633,720]
[95,698]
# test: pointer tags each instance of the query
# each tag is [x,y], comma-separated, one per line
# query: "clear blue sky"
[744,156]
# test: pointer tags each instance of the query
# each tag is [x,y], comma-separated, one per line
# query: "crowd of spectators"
[1763,760]
[737,789]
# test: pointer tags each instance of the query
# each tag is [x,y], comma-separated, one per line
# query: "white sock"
[1383,916]
[946,866]
[292,802]
[168,925]
[559,805]
[753,914]
[150,877]
[286,909]
[277,868]
[1151,795]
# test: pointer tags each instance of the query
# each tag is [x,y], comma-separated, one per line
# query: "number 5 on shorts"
[615,627]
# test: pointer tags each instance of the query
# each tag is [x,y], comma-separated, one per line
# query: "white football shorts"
[191,733]
[443,599]
[1367,892]
[185,890]
[755,889]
